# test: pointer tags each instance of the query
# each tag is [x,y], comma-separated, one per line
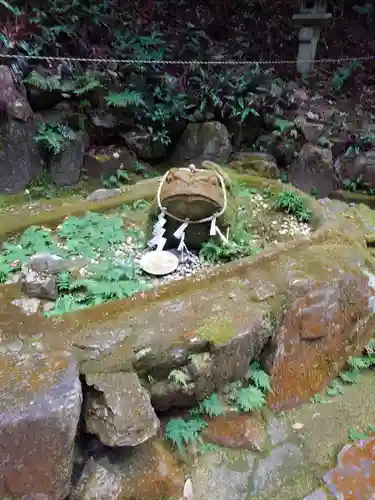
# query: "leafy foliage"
[95,237]
[248,398]
[182,432]
[293,204]
[212,406]
[53,136]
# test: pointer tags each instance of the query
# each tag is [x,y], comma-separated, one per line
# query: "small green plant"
[342,75]
[179,377]
[292,203]
[246,395]
[248,398]
[53,136]
[182,432]
[356,364]
[117,179]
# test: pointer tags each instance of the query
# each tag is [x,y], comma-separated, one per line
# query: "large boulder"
[40,405]
[66,167]
[313,170]
[20,158]
[203,141]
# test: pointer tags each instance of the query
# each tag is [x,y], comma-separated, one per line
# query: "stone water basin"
[302,308]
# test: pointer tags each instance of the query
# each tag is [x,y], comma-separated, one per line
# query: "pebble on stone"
[40,404]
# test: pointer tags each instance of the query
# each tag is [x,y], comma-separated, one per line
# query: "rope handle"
[193,169]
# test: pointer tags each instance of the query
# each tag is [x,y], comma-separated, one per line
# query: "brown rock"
[39,411]
[320,326]
[237,431]
[150,472]
[314,170]
[354,476]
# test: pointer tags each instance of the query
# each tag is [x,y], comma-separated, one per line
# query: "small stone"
[103,194]
[46,263]
[297,426]
[39,285]
[118,409]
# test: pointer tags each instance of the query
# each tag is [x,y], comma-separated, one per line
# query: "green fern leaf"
[248,398]
[348,377]
[126,98]
[49,83]
[181,431]
[212,406]
[260,378]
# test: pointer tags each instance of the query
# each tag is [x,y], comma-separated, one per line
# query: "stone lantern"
[312,18]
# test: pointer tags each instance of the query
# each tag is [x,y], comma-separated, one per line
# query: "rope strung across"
[230,62]
[158,232]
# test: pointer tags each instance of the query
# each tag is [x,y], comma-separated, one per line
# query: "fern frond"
[126,98]
[49,83]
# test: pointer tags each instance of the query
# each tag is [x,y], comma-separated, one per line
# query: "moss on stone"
[217,330]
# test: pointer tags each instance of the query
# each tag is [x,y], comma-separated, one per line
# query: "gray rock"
[40,404]
[46,263]
[118,409]
[98,483]
[66,167]
[277,430]
[20,159]
[39,285]
[281,467]
[143,145]
[221,476]
[203,141]
[313,169]
[103,194]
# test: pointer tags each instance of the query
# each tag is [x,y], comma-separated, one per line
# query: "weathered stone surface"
[118,409]
[321,323]
[241,475]
[142,144]
[149,471]
[314,170]
[203,141]
[66,167]
[42,286]
[237,431]
[20,158]
[46,263]
[219,476]
[272,471]
[361,168]
[354,476]
[39,411]
[251,163]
